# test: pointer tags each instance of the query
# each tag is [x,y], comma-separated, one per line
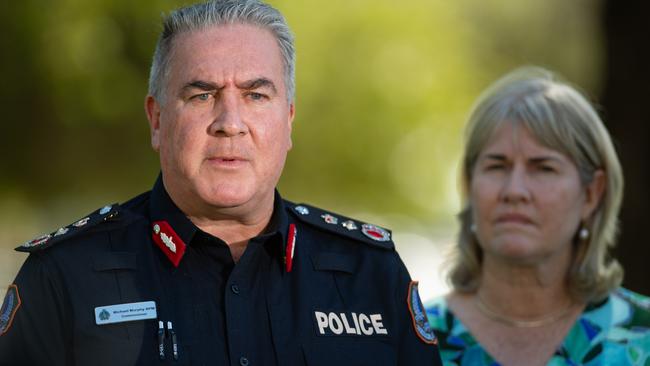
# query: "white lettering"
[356,322]
[363,318]
[336,328]
[377,324]
[321,319]
[348,330]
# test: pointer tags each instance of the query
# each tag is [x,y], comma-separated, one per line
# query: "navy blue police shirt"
[140,284]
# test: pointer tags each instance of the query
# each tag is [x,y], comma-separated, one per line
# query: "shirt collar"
[279,223]
[163,208]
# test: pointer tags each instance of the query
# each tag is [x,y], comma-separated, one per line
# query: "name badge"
[125,312]
[344,323]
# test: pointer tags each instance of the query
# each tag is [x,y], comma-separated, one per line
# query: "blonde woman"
[532,282]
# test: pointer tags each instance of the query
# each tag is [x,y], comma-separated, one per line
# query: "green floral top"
[613,332]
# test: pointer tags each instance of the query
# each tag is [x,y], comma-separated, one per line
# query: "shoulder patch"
[103,214]
[9,308]
[419,315]
[342,225]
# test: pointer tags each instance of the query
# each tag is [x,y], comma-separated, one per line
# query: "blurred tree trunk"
[626,102]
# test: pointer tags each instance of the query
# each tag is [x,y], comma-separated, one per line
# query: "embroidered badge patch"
[9,308]
[419,316]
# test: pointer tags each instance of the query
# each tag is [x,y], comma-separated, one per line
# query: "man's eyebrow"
[202,85]
[257,83]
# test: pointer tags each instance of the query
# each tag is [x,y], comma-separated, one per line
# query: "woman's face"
[528,200]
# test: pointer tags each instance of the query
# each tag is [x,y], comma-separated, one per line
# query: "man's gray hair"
[215,13]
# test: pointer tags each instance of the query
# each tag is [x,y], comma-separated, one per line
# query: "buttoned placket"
[238,303]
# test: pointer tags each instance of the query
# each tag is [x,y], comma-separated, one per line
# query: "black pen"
[172,334]
[161,340]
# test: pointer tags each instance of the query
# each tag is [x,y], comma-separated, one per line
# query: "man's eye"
[202,97]
[256,96]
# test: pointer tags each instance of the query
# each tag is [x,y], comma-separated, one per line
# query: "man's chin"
[227,202]
[228,197]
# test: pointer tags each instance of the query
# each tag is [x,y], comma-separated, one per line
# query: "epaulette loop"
[106,213]
[351,228]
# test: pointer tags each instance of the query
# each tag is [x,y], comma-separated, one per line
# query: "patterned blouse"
[615,331]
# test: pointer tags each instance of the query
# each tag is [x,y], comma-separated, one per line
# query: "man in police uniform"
[212,266]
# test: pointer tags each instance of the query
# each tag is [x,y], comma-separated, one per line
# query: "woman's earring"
[583,233]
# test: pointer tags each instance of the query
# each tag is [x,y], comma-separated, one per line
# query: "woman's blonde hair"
[562,119]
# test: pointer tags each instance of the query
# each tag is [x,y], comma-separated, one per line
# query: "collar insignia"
[168,241]
[291,247]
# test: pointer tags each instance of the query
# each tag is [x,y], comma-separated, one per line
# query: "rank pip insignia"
[38,241]
[350,225]
[81,222]
[375,232]
[61,231]
[302,210]
[419,315]
[168,241]
[330,219]
[106,209]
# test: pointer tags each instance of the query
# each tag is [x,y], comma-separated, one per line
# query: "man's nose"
[228,120]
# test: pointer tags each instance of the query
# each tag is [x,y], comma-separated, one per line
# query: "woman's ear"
[594,193]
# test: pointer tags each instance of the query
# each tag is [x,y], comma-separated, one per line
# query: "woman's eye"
[494,167]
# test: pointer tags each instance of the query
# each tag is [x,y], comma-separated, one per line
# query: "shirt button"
[235,290]
[243,361]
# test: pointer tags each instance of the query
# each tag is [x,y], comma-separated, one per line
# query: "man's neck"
[233,230]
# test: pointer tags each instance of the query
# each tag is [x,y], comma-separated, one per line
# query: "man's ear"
[292,114]
[152,108]
[594,193]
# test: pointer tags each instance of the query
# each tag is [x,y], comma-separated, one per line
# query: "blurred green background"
[383,88]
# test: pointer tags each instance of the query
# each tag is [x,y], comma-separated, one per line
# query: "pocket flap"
[328,261]
[115,261]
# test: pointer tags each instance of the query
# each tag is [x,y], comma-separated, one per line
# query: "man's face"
[224,129]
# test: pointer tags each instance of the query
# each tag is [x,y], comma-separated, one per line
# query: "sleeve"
[418,344]
[35,327]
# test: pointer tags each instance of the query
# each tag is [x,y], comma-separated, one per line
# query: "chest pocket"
[116,279]
[115,261]
[335,262]
[338,347]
